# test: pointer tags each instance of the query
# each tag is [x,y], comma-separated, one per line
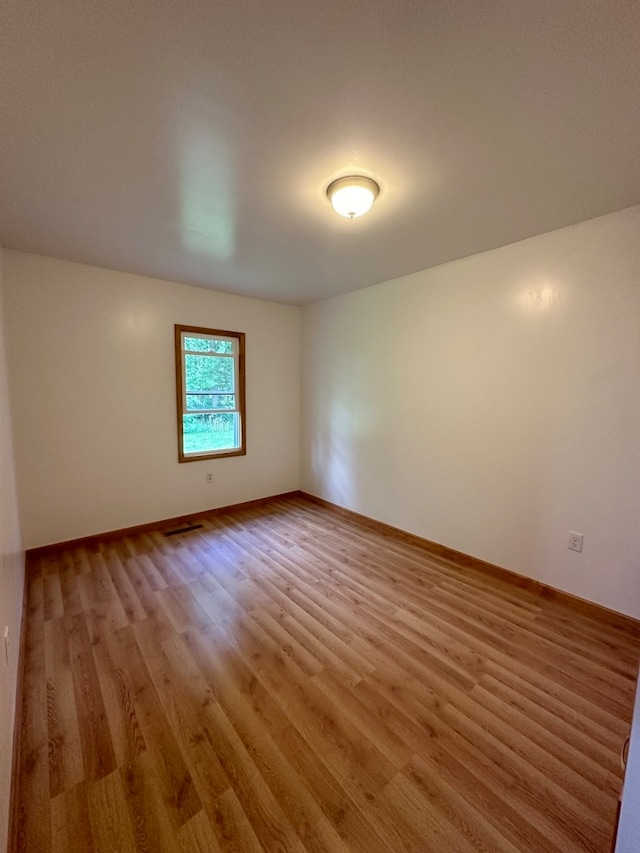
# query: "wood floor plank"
[109,817]
[129,601]
[173,779]
[577,720]
[285,678]
[568,820]
[153,824]
[182,692]
[197,836]
[254,794]
[232,826]
[66,766]
[337,648]
[349,821]
[296,801]
[53,603]
[34,806]
[557,744]
[70,828]
[95,736]
[71,600]
[419,823]
[126,733]
[330,652]
[469,819]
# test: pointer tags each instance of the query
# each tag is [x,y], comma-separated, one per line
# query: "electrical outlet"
[6,645]
[575,541]
[208,477]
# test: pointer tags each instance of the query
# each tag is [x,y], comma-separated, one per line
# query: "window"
[210,390]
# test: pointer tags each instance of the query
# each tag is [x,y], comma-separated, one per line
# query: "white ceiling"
[194,140]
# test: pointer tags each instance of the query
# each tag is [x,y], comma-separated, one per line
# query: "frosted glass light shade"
[352,196]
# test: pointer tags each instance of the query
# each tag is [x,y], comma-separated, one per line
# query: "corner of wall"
[12,580]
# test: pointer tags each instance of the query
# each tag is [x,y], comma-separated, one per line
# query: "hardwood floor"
[285,679]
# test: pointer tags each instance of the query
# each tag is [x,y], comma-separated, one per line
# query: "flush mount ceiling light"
[352,196]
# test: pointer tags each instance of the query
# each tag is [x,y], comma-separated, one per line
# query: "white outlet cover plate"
[575,541]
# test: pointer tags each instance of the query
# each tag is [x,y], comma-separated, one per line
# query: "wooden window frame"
[201,331]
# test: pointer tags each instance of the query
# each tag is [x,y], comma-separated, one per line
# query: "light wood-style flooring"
[286,679]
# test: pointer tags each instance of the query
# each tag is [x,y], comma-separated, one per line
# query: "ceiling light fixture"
[352,196]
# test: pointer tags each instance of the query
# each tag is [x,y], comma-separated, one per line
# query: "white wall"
[91,366]
[492,405]
[11,588]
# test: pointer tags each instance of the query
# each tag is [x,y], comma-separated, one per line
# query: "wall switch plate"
[575,541]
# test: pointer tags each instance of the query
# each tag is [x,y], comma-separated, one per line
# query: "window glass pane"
[210,392]
[207,433]
[208,373]
[207,345]
[210,401]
